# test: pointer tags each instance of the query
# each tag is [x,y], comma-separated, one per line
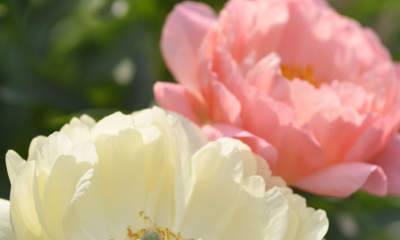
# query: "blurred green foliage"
[63,58]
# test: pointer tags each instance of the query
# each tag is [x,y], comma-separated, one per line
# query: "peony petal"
[223,106]
[389,161]
[311,224]
[344,179]
[13,162]
[24,219]
[212,205]
[338,130]
[308,100]
[61,183]
[376,183]
[257,144]
[294,142]
[53,146]
[184,178]
[266,76]
[6,232]
[121,163]
[182,35]
[167,144]
[78,131]
[249,160]
[196,138]
[352,95]
[111,125]
[36,144]
[367,145]
[84,218]
[255,207]
[175,98]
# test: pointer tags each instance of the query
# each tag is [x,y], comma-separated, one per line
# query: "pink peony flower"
[311,91]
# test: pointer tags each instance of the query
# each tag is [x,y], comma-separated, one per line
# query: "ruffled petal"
[299,153]
[121,163]
[389,161]
[308,100]
[344,179]
[213,204]
[338,130]
[61,183]
[266,77]
[78,130]
[182,35]
[111,125]
[305,223]
[257,208]
[257,144]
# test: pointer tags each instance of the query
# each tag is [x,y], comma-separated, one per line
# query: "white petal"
[61,184]
[174,149]
[196,136]
[264,171]
[76,131]
[13,162]
[259,215]
[111,125]
[248,158]
[312,225]
[24,219]
[184,171]
[293,226]
[5,224]
[84,218]
[159,176]
[88,121]
[53,146]
[122,177]
[36,145]
[219,173]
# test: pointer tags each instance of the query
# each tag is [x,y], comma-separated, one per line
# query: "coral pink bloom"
[311,91]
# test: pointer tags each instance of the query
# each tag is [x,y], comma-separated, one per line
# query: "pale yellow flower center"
[291,71]
[165,234]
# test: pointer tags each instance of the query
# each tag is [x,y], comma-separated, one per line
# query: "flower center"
[291,71]
[152,232]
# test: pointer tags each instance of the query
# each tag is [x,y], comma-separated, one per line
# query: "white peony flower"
[151,176]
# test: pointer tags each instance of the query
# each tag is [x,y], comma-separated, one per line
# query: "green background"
[63,58]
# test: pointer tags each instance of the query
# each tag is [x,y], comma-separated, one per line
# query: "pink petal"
[299,153]
[352,95]
[308,100]
[175,98]
[397,68]
[223,106]
[338,130]
[266,76]
[257,144]
[367,145]
[182,35]
[389,161]
[344,179]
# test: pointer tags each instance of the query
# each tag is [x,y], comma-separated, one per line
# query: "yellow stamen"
[291,71]
[166,234]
